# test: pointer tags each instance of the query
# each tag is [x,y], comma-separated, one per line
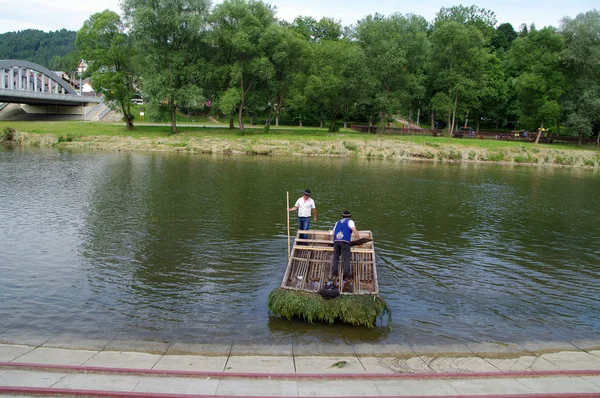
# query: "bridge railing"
[94,110]
[104,112]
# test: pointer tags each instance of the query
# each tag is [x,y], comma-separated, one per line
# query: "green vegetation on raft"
[358,310]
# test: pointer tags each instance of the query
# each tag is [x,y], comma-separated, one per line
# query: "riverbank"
[170,371]
[294,141]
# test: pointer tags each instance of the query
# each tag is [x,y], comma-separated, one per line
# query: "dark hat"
[346,214]
[307,192]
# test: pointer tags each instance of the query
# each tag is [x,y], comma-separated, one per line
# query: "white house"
[86,87]
[82,67]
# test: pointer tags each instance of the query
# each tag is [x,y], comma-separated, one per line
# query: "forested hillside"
[37,46]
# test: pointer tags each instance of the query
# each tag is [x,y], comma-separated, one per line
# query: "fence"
[481,134]
[398,130]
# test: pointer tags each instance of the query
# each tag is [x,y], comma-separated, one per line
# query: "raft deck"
[309,265]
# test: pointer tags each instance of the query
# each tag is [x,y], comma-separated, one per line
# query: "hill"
[37,46]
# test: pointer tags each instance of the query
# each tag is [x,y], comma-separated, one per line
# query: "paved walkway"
[170,370]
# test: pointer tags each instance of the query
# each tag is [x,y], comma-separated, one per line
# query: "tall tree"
[582,58]
[534,66]
[316,31]
[108,50]
[493,95]
[484,20]
[459,59]
[237,28]
[337,79]
[168,34]
[67,63]
[396,48]
[288,56]
[503,37]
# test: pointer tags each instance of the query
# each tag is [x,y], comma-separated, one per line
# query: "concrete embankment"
[154,369]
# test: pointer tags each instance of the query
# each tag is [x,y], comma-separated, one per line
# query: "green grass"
[290,133]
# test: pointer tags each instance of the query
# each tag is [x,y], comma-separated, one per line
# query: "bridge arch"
[17,75]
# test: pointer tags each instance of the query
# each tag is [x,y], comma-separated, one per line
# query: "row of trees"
[459,67]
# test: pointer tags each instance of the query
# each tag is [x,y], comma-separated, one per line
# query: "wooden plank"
[375,279]
[288,269]
[323,241]
[313,263]
[330,249]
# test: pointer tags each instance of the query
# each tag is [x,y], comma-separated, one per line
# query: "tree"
[108,51]
[396,49]
[459,59]
[336,81]
[168,34]
[582,57]
[533,64]
[67,63]
[288,56]
[237,28]
[482,19]
[37,46]
[503,37]
[315,31]
[493,96]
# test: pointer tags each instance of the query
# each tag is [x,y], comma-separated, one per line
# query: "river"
[186,248]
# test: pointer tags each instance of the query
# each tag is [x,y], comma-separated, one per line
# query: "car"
[137,101]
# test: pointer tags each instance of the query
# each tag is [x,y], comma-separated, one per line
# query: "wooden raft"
[309,265]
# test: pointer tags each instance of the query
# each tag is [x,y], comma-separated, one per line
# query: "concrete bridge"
[39,91]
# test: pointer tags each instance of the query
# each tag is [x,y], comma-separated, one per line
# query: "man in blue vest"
[342,234]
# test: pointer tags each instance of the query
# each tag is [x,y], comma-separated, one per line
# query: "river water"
[186,248]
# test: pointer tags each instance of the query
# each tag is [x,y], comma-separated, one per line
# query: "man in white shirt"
[304,205]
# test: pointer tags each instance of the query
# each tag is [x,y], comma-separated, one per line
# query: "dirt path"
[406,123]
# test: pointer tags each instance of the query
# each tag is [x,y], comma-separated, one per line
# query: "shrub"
[454,155]
[424,155]
[350,146]
[472,155]
[564,160]
[525,158]
[589,162]
[8,134]
[494,157]
[68,138]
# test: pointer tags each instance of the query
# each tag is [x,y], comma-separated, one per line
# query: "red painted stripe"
[101,393]
[321,376]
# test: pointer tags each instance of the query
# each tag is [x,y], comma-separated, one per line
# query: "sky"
[50,15]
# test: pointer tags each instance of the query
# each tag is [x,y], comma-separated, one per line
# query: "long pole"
[288,221]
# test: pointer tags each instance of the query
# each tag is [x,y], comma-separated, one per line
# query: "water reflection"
[187,248]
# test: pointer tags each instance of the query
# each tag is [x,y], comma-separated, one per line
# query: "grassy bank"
[293,141]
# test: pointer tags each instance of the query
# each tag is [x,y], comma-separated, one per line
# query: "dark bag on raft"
[329,291]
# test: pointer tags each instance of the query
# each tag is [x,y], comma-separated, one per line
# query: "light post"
[81,95]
